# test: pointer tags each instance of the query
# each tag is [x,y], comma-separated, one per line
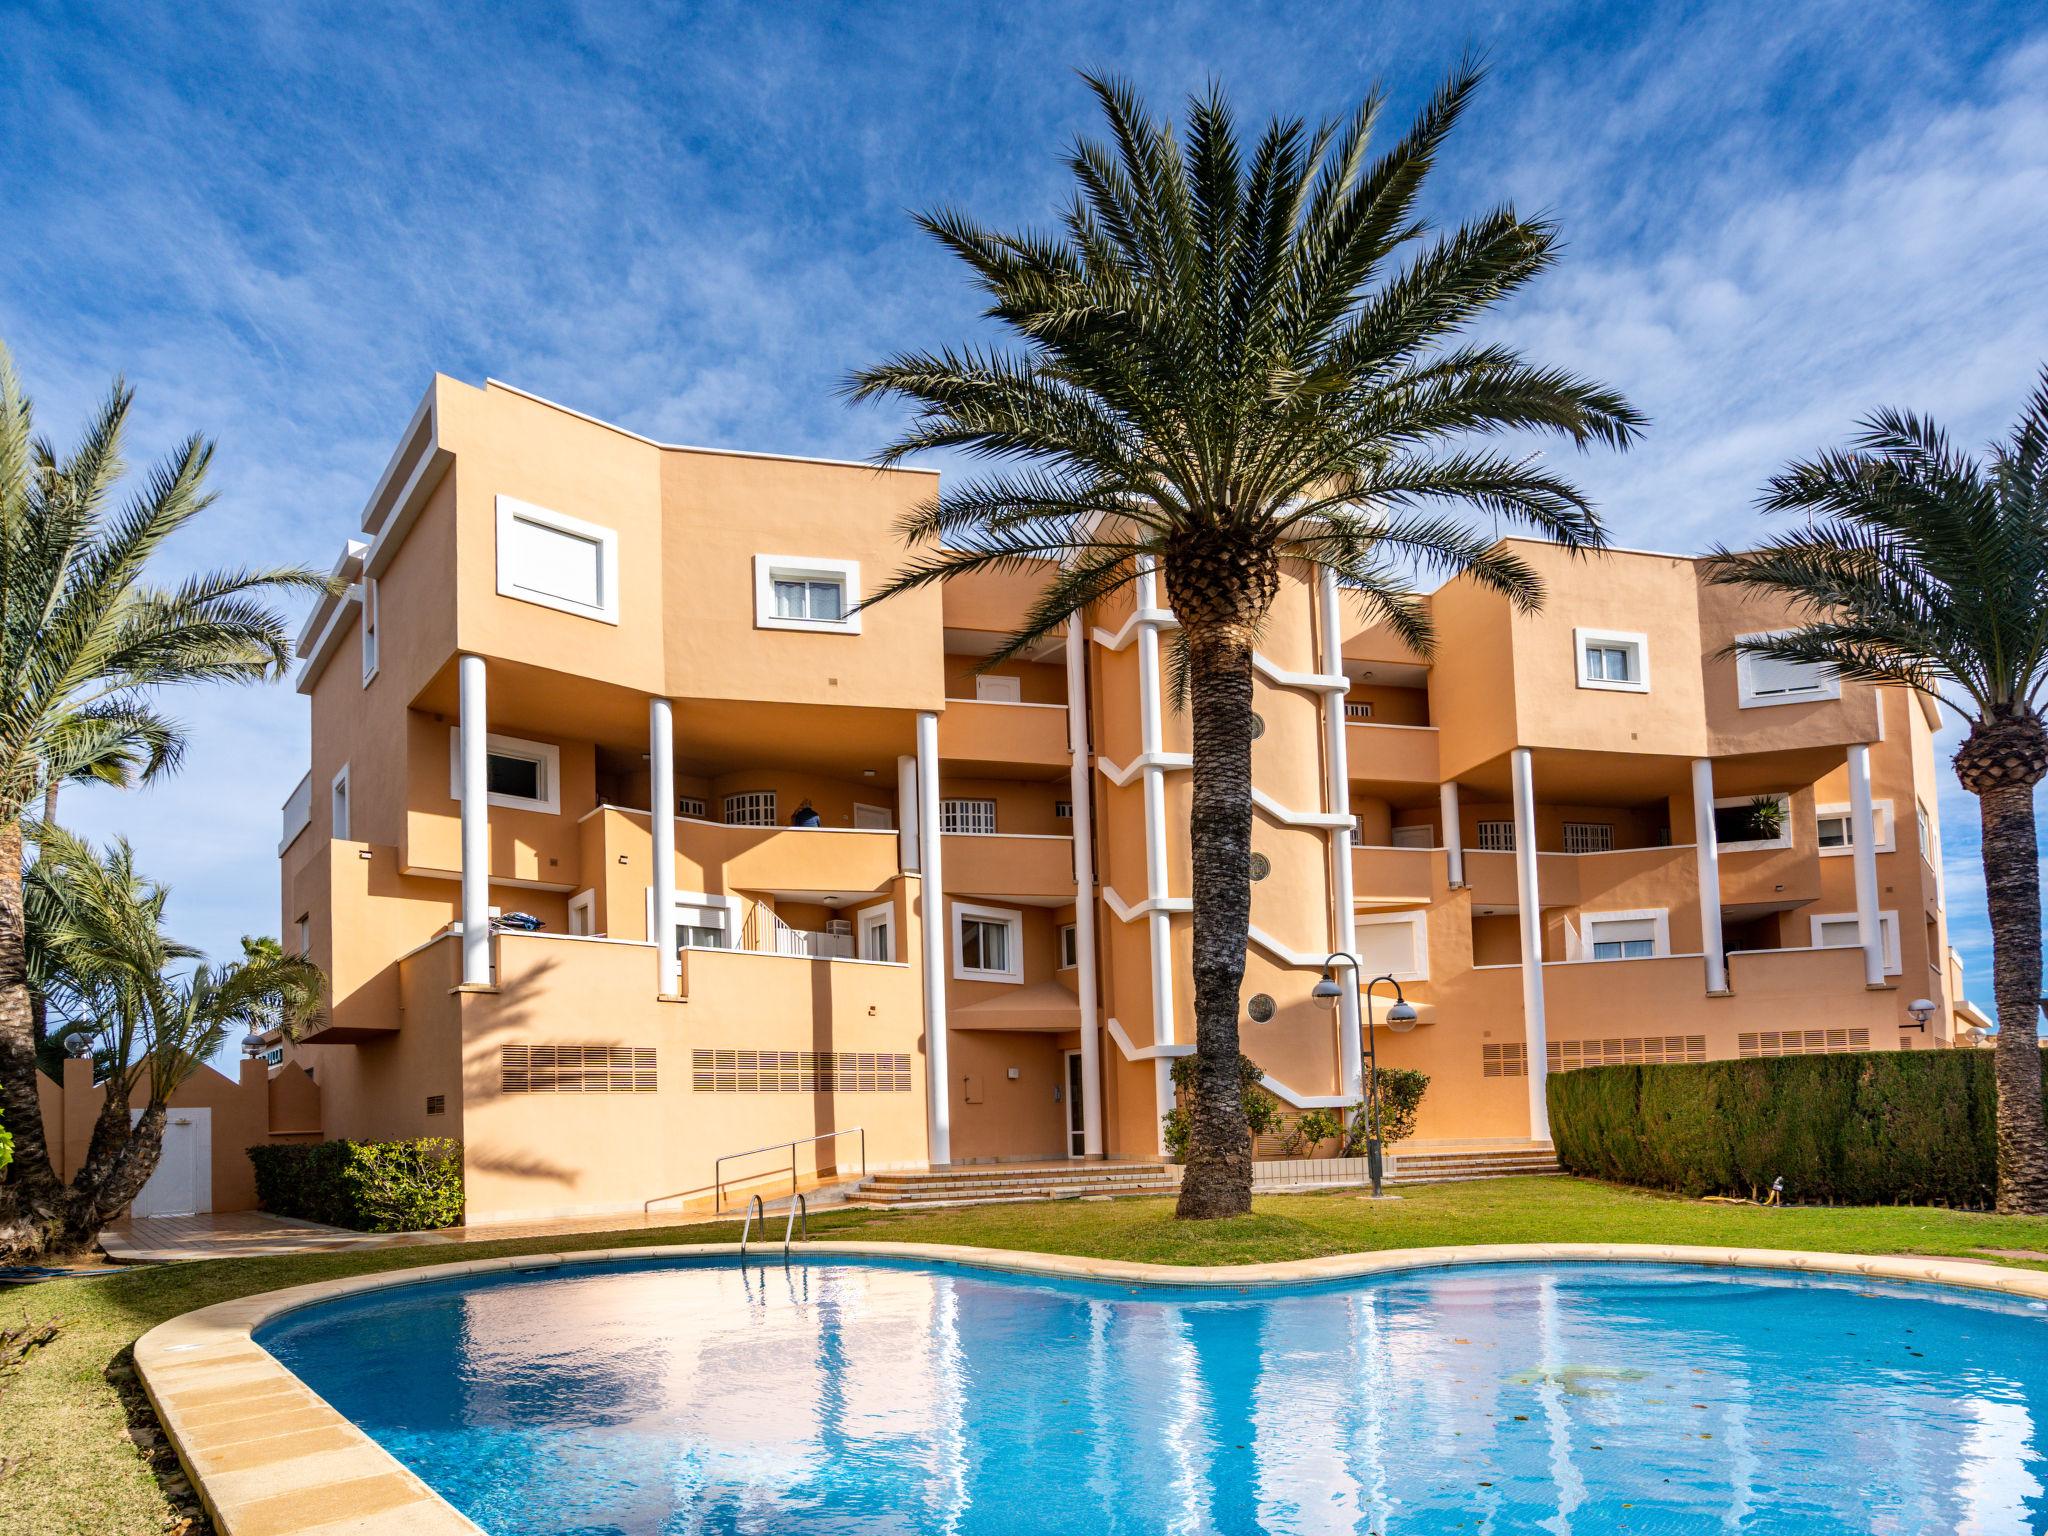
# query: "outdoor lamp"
[252,1042]
[1327,993]
[1401,1017]
[1922,1009]
[78,1046]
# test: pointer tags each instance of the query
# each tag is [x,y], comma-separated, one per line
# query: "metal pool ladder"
[799,1222]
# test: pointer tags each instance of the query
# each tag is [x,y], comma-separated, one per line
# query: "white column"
[1151,742]
[661,776]
[906,813]
[1863,854]
[1529,898]
[474,730]
[1707,854]
[938,1079]
[1083,822]
[1337,792]
[1454,832]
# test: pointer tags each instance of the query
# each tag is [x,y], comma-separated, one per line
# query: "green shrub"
[1310,1131]
[6,1149]
[1261,1109]
[1863,1128]
[367,1186]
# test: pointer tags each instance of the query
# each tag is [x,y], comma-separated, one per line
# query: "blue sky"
[279,220]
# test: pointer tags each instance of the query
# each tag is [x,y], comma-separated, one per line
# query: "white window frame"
[767,568]
[1880,812]
[867,920]
[549,758]
[302,933]
[1603,827]
[693,807]
[949,811]
[725,805]
[368,623]
[1784,837]
[1747,697]
[997,689]
[1011,917]
[700,903]
[1924,829]
[606,610]
[1418,939]
[338,818]
[1887,929]
[1660,937]
[1482,845]
[1611,639]
[1067,948]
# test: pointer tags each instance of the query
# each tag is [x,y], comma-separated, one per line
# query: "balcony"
[989,739]
[1393,877]
[1492,878]
[1001,864]
[1391,754]
[1770,877]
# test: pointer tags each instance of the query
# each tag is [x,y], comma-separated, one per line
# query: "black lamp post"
[1400,1019]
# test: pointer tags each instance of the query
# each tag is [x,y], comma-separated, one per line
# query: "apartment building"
[629,842]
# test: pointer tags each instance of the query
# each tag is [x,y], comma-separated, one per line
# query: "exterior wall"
[825,718]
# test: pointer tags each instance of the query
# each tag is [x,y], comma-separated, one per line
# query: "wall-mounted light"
[362,853]
[1922,1009]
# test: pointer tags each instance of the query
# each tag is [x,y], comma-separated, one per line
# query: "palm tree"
[120,984]
[1923,565]
[85,640]
[1218,370]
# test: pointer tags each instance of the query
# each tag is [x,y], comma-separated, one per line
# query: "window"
[369,629]
[1627,935]
[1261,866]
[522,775]
[1392,944]
[808,593]
[1837,930]
[1926,830]
[691,805]
[1413,837]
[1496,837]
[1069,950]
[1612,659]
[557,561]
[999,690]
[976,817]
[1360,709]
[877,933]
[1761,681]
[702,922]
[1261,1008]
[1753,821]
[1588,837]
[274,1057]
[1063,810]
[873,818]
[988,943]
[754,808]
[1835,827]
[583,914]
[338,805]
[437,1103]
[302,931]
[1358,831]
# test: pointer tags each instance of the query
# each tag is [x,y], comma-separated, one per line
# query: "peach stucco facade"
[803,871]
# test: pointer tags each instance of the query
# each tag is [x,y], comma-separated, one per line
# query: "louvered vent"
[1650,1049]
[577,1068]
[738,1071]
[1802,1042]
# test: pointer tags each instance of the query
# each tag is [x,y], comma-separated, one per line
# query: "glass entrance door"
[1077,1122]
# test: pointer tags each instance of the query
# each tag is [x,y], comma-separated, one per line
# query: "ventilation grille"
[737,1071]
[577,1069]
[1650,1050]
[437,1104]
[1508,1060]
[1802,1042]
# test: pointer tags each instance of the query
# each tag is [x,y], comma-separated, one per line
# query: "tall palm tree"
[1218,368]
[1924,565]
[86,638]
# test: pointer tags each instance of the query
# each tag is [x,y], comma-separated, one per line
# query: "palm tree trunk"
[2012,890]
[1218,1181]
[31,1197]
[93,1204]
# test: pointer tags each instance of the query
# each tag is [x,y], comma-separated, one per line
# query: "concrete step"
[943,1181]
[1004,1194]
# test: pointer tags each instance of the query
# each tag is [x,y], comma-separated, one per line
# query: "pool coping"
[268,1456]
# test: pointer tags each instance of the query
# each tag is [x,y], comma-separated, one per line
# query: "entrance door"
[182,1184]
[1077,1118]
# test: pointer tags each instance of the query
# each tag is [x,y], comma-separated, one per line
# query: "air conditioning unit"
[839,925]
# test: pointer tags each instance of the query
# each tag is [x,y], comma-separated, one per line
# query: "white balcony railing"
[298,812]
[812,945]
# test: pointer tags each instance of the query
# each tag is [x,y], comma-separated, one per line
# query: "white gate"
[183,1182]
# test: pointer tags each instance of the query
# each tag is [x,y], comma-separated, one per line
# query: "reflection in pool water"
[876,1396]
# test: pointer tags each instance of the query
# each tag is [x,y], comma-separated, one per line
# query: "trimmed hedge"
[1866,1128]
[367,1186]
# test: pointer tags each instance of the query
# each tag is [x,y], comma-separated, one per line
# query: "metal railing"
[799,1223]
[718,1166]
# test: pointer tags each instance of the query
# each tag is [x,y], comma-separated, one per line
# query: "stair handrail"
[799,1210]
[747,1226]
[718,1165]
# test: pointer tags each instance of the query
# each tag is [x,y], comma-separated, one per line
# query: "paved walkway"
[238,1235]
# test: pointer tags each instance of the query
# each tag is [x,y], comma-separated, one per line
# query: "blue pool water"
[875,1396]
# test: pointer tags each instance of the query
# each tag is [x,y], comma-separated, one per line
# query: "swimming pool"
[842,1394]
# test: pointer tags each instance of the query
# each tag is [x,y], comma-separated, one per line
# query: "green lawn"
[71,1468]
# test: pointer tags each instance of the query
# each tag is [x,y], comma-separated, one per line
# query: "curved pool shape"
[851,1395]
